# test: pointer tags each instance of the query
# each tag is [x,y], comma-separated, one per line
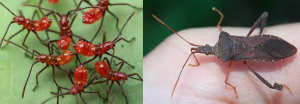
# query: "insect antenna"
[42,9]
[221,19]
[172,30]
[66,93]
[22,47]
[120,33]
[8,9]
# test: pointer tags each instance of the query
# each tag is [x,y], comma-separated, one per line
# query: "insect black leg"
[221,19]
[99,28]
[135,74]
[6,32]
[115,16]
[226,79]
[119,59]
[109,88]
[127,41]
[90,60]
[28,78]
[121,89]
[105,99]
[276,86]
[36,77]
[13,36]
[82,98]
[53,78]
[58,67]
[261,22]
[48,45]
[116,4]
[24,40]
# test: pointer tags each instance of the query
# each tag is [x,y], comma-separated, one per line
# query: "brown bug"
[238,48]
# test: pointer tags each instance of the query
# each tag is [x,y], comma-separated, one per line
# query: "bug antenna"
[123,27]
[66,93]
[8,9]
[42,9]
[172,30]
[180,75]
[21,47]
[221,19]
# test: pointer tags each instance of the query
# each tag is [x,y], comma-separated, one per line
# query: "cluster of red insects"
[82,47]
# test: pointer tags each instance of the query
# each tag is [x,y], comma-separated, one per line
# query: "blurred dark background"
[183,14]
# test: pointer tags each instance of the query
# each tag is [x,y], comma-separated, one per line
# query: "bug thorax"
[19,19]
[204,49]
[64,22]
[41,58]
[103,3]
[107,45]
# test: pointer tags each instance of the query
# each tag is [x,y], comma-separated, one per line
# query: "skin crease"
[205,84]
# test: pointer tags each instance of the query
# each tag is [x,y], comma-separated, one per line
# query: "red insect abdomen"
[85,48]
[117,76]
[65,58]
[43,24]
[80,76]
[53,1]
[64,42]
[101,67]
[92,16]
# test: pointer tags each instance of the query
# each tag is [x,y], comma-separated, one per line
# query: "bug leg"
[119,59]
[226,80]
[37,79]
[90,60]
[116,4]
[23,43]
[261,22]
[127,41]
[105,99]
[193,53]
[48,45]
[99,28]
[115,16]
[53,78]
[276,86]
[135,74]
[13,36]
[28,78]
[6,32]
[65,72]
[109,88]
[82,98]
[121,89]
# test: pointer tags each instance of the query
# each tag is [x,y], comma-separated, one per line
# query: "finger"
[206,82]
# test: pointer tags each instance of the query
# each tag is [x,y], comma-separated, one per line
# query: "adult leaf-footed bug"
[237,48]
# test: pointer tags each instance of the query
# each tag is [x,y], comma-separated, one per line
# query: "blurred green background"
[14,66]
[183,14]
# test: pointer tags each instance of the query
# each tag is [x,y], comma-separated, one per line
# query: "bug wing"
[263,48]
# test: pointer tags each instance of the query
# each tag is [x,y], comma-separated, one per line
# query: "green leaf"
[14,66]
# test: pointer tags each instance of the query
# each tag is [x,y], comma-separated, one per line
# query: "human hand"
[205,84]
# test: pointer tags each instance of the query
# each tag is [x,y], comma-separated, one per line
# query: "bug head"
[76,89]
[19,19]
[108,45]
[64,21]
[204,49]
[41,58]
